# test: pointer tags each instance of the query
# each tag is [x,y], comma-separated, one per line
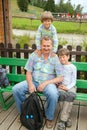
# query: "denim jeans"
[50,91]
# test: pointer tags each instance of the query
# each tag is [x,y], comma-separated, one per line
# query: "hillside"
[32,10]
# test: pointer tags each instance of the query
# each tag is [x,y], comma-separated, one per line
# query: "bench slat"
[81,84]
[12,61]
[16,77]
[81,66]
[81,96]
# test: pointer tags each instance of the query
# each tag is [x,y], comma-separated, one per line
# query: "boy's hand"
[63,87]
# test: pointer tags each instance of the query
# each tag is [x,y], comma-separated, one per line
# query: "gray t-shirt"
[70,75]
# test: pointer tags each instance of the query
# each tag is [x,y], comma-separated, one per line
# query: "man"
[43,71]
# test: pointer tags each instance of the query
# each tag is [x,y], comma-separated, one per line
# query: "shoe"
[68,123]
[49,123]
[61,125]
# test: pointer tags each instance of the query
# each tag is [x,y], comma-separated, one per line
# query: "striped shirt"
[47,32]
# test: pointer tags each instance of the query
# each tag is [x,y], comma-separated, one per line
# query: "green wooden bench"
[81,83]
[14,78]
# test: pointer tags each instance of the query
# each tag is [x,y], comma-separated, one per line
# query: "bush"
[23,5]
[25,39]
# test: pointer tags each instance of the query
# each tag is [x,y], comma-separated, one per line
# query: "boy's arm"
[55,40]
[38,38]
[74,77]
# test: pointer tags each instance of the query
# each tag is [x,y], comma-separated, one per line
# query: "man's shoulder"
[53,54]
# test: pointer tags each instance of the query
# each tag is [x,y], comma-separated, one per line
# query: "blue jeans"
[50,91]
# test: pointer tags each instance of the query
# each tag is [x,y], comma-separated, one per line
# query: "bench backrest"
[82,67]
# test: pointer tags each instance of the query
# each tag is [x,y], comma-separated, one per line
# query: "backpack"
[32,112]
[3,78]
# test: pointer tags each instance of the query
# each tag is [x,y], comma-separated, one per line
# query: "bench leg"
[6,103]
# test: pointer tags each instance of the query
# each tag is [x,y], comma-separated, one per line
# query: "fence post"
[85,76]
[10,53]
[69,47]
[18,56]
[78,59]
[25,53]
[3,52]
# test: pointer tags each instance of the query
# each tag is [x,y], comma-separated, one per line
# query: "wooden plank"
[8,120]
[5,114]
[82,120]
[74,117]
[56,115]
[16,125]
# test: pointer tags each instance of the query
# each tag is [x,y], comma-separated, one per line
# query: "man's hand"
[32,88]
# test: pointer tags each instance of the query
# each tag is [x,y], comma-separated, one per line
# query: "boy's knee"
[72,96]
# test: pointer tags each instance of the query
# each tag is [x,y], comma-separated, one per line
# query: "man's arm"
[52,81]
[30,83]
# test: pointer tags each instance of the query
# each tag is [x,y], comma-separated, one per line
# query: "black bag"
[32,112]
[3,78]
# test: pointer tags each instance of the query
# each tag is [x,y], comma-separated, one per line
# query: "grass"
[61,27]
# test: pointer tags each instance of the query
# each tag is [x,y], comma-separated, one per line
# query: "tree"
[78,9]
[50,6]
[23,5]
[68,8]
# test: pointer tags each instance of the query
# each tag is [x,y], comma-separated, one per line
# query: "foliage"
[78,9]
[62,42]
[38,3]
[68,8]
[50,6]
[23,5]
[23,40]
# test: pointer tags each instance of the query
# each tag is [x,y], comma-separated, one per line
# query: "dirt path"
[72,39]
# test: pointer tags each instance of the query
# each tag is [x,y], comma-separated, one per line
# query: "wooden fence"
[75,54]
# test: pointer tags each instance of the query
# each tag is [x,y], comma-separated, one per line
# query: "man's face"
[47,23]
[46,46]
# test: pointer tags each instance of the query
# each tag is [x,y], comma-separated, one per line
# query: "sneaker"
[49,124]
[68,123]
[61,125]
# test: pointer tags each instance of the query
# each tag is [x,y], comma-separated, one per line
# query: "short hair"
[63,51]
[46,38]
[46,15]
